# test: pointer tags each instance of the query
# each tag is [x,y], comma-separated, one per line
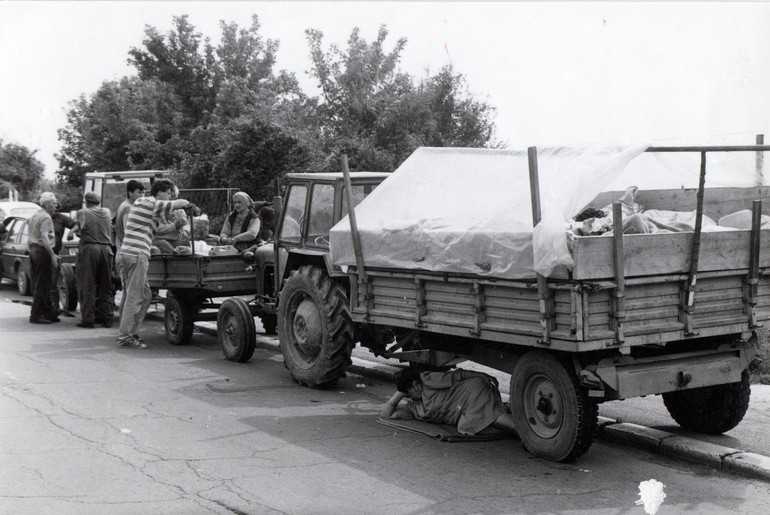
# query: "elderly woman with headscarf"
[242,226]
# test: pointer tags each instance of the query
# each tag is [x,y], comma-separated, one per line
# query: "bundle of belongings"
[173,238]
[637,220]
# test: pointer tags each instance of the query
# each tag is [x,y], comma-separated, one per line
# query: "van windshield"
[114,193]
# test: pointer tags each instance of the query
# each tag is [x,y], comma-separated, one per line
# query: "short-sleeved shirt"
[142,224]
[40,226]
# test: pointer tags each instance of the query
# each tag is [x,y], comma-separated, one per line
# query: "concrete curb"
[609,430]
[685,448]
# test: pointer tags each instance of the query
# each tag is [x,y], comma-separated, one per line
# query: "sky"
[572,73]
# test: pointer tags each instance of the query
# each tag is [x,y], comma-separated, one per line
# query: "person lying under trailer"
[464,398]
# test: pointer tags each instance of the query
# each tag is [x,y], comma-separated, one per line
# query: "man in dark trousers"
[43,260]
[94,271]
[60,222]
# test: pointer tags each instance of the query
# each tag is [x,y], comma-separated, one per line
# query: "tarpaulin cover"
[469,211]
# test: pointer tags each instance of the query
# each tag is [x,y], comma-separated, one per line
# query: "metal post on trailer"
[688,304]
[760,161]
[543,294]
[619,304]
[752,280]
[363,280]
[692,277]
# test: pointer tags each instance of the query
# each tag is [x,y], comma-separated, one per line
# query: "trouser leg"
[104,290]
[86,283]
[42,271]
[55,302]
[136,290]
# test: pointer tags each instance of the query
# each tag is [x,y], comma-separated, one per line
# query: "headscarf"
[244,197]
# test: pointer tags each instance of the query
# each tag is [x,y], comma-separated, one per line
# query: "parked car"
[14,259]
[14,208]
[14,252]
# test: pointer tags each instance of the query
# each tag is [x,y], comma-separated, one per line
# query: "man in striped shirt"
[141,225]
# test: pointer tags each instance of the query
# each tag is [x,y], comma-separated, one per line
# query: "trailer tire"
[554,416]
[178,320]
[712,409]
[235,330]
[315,328]
[270,324]
[68,288]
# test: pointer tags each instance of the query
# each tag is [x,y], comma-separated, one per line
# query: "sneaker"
[138,338]
[39,320]
[131,343]
[86,325]
[54,320]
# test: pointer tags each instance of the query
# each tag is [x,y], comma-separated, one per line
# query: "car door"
[13,249]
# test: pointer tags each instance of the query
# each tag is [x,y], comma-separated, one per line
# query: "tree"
[20,170]
[378,115]
[178,60]
[126,124]
[188,101]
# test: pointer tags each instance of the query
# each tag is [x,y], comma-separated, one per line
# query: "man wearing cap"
[42,259]
[94,271]
[142,224]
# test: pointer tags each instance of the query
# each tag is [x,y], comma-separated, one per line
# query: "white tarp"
[469,211]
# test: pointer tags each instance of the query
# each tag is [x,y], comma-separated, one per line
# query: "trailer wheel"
[269,323]
[235,330]
[711,409]
[68,289]
[554,416]
[22,282]
[315,328]
[178,320]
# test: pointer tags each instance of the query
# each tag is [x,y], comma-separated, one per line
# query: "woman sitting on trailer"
[464,398]
[242,226]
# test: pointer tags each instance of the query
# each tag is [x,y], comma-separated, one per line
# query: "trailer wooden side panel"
[217,276]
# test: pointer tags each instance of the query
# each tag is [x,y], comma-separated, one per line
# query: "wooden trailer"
[639,314]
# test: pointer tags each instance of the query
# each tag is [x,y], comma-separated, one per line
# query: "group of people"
[141,222]
[466,399]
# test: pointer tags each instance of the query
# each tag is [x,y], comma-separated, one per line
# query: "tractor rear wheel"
[315,328]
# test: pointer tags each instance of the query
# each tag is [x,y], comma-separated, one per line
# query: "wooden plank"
[387,302]
[645,303]
[718,201]
[654,291]
[664,253]
[653,314]
[513,306]
[514,315]
[407,293]
[493,293]
[449,298]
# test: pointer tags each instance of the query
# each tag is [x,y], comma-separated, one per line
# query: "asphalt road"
[88,428]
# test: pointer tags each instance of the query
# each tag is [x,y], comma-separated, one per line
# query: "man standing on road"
[134,190]
[94,271]
[142,224]
[60,222]
[42,259]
